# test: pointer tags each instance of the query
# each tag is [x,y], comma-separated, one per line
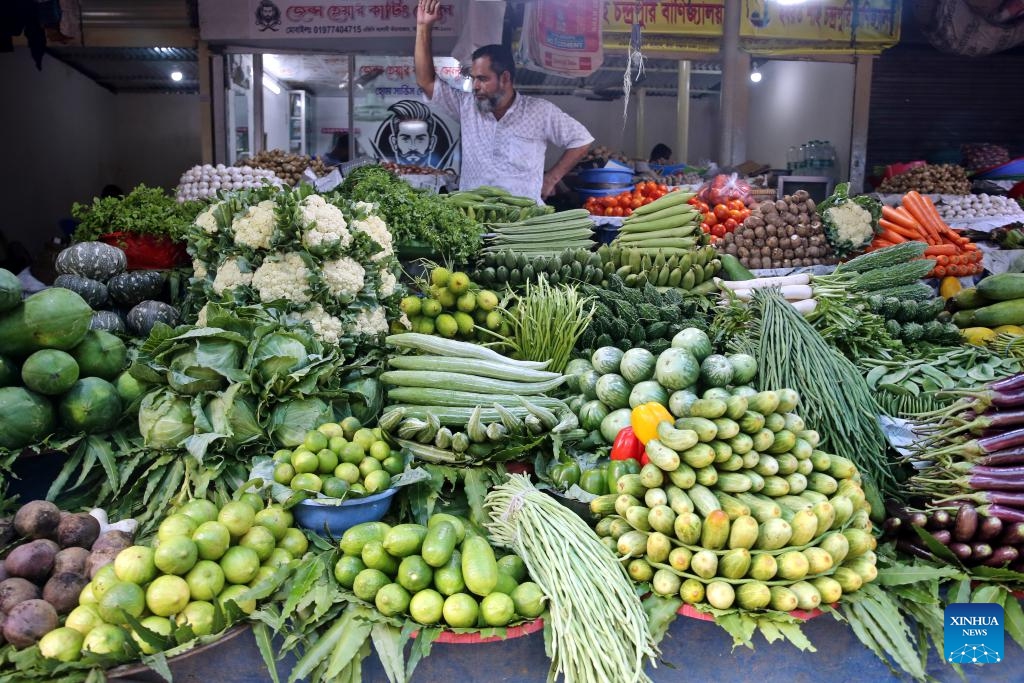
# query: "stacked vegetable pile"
[206,181]
[723,217]
[782,234]
[974,206]
[515,268]
[52,557]
[494,205]
[914,320]
[548,235]
[918,219]
[929,179]
[96,271]
[691,269]
[996,301]
[287,166]
[667,225]
[57,374]
[414,217]
[452,305]
[496,404]
[971,486]
[326,261]
[443,572]
[735,506]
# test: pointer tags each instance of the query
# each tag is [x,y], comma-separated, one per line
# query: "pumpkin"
[109,321]
[145,315]
[93,291]
[136,286]
[93,260]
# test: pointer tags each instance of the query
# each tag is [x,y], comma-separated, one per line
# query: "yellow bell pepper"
[645,419]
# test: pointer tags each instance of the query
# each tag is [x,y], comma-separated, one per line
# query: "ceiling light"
[176,76]
[755,73]
[270,85]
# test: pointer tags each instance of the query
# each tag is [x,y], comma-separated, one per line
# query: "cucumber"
[805,526]
[741,444]
[787,464]
[662,519]
[793,566]
[743,532]
[751,422]
[705,428]
[763,567]
[736,407]
[822,483]
[829,588]
[775,486]
[655,497]
[782,599]
[683,477]
[765,402]
[658,548]
[708,408]
[479,567]
[637,515]
[632,544]
[819,560]
[754,595]
[733,464]
[714,533]
[692,591]
[439,544]
[623,502]
[836,545]
[807,596]
[731,506]
[678,500]
[679,558]
[723,452]
[773,534]
[662,456]
[704,564]
[767,466]
[726,428]
[734,564]
[733,483]
[703,500]
[848,579]
[687,528]
[701,455]
[707,476]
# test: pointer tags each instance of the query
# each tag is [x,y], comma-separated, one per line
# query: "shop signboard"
[290,18]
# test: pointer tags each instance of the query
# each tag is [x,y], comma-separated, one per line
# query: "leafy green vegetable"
[144,210]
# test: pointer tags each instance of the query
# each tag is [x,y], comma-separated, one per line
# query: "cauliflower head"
[852,222]
[229,276]
[206,220]
[344,277]
[201,318]
[199,269]
[377,229]
[325,326]
[322,224]
[370,321]
[283,277]
[388,284]
[255,227]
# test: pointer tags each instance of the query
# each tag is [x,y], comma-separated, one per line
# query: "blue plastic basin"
[336,519]
[605,175]
[585,193]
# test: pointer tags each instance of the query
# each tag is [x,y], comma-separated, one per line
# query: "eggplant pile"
[973,483]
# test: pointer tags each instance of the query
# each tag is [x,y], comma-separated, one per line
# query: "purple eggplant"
[961,550]
[939,519]
[1009,383]
[1008,512]
[1009,456]
[1013,533]
[909,547]
[891,526]
[943,536]
[980,551]
[1002,556]
[965,525]
[989,528]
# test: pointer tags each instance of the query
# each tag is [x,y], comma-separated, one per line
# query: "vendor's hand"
[547,188]
[428,12]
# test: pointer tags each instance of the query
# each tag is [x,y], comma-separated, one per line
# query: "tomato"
[735,204]
[617,211]
[736,215]
[721,212]
[730,224]
[718,231]
[609,211]
[710,219]
[627,212]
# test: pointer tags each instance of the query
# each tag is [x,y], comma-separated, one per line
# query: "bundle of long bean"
[547,235]
[599,628]
[835,399]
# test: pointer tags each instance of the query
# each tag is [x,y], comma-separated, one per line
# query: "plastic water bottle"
[791,158]
[801,157]
[812,156]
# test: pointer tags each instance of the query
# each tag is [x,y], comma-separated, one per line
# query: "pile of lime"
[443,573]
[453,307]
[339,460]
[201,555]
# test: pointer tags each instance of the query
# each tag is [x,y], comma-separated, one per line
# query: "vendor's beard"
[487,104]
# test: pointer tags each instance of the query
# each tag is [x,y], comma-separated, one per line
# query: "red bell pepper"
[628,447]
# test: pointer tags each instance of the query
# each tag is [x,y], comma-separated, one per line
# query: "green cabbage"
[277,355]
[165,419]
[234,415]
[290,421]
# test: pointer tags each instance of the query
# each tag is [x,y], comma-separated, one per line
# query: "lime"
[486,300]
[63,644]
[458,283]
[261,539]
[316,440]
[231,593]
[347,568]
[378,433]
[493,321]
[377,481]
[464,321]
[528,599]
[447,300]
[380,450]
[424,325]
[161,626]
[369,465]
[348,472]
[497,609]
[86,597]
[394,464]
[356,490]
[479,316]
[275,518]
[105,639]
[305,461]
[460,610]
[176,555]
[237,516]
[368,582]
[446,325]
[375,557]
[439,276]
[278,556]
[351,425]
[426,607]
[307,481]
[506,584]
[135,565]
[331,430]
[335,487]
[198,615]
[263,574]
[177,524]
[328,460]
[295,542]
[120,599]
[514,566]
[466,302]
[284,473]
[337,443]
[352,453]
[199,509]
[364,437]
[282,455]
[391,600]
[253,500]
[167,595]
[240,564]
[103,580]
[212,540]
[84,618]
[414,573]
[205,580]
[410,305]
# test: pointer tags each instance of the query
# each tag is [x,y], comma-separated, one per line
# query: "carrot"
[893,215]
[940,249]
[914,203]
[878,243]
[939,271]
[905,233]
[892,236]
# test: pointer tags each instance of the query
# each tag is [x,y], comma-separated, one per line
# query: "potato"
[28,622]
[99,559]
[62,591]
[33,560]
[78,530]
[112,540]
[71,560]
[37,519]
[16,590]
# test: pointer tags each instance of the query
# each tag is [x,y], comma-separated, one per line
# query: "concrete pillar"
[859,124]
[682,150]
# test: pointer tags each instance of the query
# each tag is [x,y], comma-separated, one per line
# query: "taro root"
[32,561]
[28,622]
[78,530]
[62,591]
[99,559]
[71,560]
[112,540]
[37,519]
[15,590]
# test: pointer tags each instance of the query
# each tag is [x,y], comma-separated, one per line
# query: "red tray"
[475,638]
[688,611]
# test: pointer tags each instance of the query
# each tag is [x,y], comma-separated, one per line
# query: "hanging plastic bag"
[723,188]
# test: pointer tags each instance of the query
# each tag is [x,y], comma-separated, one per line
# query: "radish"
[759,283]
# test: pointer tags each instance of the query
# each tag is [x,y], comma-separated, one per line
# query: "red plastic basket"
[148,252]
[476,639]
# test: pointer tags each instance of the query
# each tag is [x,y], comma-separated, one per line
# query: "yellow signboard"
[849,22]
[698,20]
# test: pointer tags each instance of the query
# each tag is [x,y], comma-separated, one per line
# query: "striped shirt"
[508,153]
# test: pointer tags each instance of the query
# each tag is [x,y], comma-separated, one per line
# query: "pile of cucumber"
[494,205]
[458,403]
[444,572]
[547,235]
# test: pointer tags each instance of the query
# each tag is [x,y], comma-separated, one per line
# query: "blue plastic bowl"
[336,519]
[605,175]
[585,193]
[606,233]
